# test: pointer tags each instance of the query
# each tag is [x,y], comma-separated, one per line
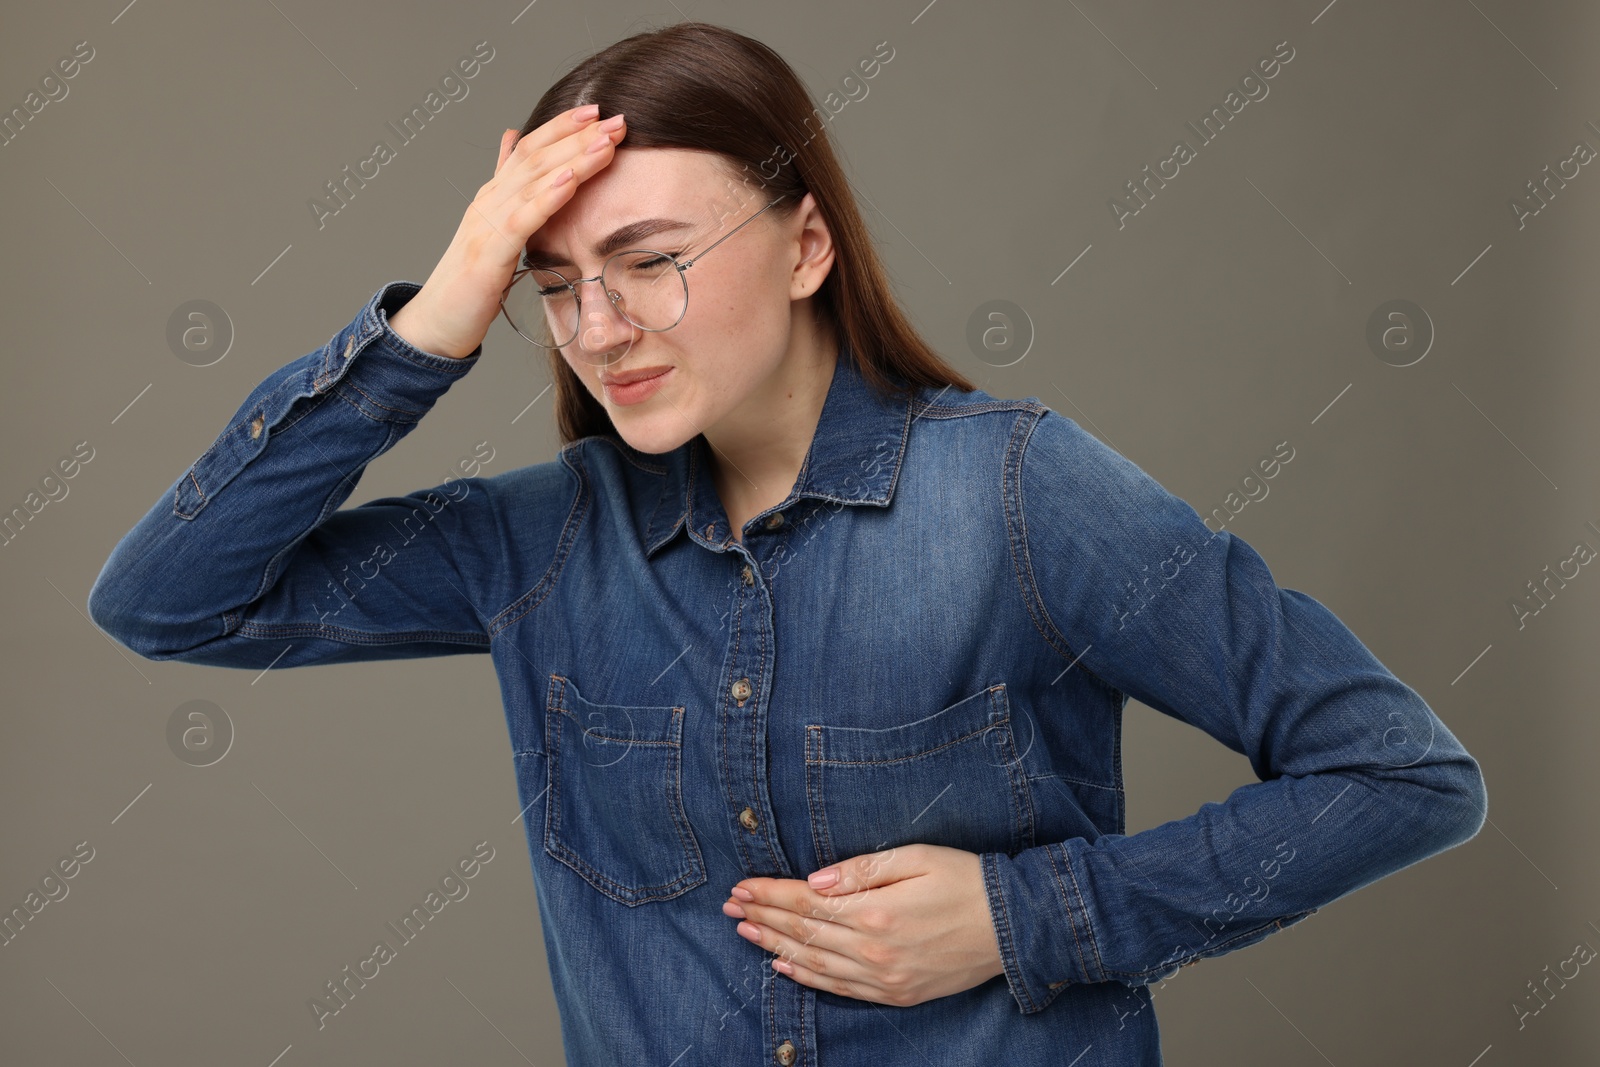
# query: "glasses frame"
[681,265]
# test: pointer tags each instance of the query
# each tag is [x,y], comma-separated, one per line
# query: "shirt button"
[785,1053]
[775,520]
[711,528]
[749,579]
[255,426]
[741,690]
[747,819]
[349,347]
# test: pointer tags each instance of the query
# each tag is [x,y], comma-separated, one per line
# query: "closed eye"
[655,263]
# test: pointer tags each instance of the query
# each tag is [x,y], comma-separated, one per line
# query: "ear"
[815,251]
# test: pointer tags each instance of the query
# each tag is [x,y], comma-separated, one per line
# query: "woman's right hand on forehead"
[533,178]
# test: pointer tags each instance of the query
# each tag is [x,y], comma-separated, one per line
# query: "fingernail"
[742,893]
[730,908]
[586,112]
[749,930]
[823,879]
[612,123]
[600,142]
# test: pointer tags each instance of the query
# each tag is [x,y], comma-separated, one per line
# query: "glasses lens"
[542,308]
[647,287]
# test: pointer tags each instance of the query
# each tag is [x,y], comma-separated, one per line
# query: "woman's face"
[737,331]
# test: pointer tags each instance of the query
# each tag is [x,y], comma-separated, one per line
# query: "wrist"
[409,324]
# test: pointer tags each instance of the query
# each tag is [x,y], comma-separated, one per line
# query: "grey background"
[1224,318]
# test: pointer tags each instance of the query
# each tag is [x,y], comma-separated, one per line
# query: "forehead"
[641,183]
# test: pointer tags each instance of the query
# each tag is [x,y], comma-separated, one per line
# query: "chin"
[654,434]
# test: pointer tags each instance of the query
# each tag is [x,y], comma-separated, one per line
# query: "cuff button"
[349,347]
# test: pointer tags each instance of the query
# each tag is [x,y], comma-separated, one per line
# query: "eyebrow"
[619,239]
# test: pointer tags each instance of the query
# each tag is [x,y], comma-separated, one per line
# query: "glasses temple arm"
[689,263]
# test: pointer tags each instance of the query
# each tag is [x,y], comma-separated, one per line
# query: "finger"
[508,141]
[574,149]
[866,871]
[524,177]
[804,930]
[818,961]
[568,126]
[792,894]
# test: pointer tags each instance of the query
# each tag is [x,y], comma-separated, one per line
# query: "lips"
[630,376]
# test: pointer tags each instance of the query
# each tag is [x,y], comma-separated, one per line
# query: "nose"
[601,327]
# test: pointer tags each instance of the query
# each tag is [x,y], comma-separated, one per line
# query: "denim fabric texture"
[930,639]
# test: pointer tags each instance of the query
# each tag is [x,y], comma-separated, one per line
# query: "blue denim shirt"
[930,639]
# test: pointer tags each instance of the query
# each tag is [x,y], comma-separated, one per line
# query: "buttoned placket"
[788,1010]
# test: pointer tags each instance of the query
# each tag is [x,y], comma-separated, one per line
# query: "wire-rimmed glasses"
[646,286]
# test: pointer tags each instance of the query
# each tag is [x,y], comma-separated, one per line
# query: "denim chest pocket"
[952,778]
[615,813]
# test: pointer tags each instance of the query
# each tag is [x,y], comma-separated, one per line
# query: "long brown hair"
[702,86]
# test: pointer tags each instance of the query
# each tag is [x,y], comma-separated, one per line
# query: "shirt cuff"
[381,373]
[1041,924]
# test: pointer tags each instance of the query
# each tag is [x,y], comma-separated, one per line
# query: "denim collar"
[854,458]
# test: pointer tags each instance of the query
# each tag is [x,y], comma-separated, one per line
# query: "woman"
[800,630]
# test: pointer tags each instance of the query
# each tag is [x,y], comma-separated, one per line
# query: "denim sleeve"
[1358,777]
[245,562]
